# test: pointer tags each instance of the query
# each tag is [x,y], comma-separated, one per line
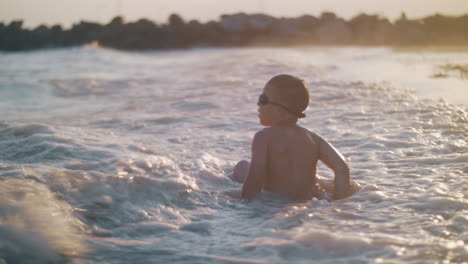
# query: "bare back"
[292,156]
[284,161]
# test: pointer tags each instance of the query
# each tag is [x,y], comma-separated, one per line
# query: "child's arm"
[257,171]
[335,161]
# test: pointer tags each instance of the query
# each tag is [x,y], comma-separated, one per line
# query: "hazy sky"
[67,12]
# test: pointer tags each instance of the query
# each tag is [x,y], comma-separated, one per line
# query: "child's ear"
[281,113]
[285,114]
[278,111]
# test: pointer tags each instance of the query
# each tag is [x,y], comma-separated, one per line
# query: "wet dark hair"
[293,92]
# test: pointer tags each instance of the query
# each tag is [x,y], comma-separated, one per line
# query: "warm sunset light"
[68,12]
[242,131]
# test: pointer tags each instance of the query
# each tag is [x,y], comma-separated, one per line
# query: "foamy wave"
[91,86]
[126,197]
[35,227]
[30,143]
[140,147]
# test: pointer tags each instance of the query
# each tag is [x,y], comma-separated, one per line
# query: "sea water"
[109,156]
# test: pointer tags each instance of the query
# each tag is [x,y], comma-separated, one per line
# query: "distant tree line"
[242,30]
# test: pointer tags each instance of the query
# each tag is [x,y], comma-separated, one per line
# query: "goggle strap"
[263,100]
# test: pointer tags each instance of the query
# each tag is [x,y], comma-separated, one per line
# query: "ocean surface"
[115,157]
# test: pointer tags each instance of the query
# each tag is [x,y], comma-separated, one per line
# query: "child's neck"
[284,122]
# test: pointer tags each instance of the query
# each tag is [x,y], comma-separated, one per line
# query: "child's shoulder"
[263,133]
[279,136]
[275,131]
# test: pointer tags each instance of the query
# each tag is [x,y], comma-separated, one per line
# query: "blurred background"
[139,25]
[68,12]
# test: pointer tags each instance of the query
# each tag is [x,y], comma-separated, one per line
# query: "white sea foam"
[125,157]
[36,227]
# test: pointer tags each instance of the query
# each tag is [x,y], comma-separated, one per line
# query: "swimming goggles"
[263,100]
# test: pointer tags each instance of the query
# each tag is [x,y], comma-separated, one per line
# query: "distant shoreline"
[238,30]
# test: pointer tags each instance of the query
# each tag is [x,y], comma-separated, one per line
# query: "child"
[285,155]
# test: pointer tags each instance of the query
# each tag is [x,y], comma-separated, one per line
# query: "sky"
[68,12]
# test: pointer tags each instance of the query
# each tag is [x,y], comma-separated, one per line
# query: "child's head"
[284,99]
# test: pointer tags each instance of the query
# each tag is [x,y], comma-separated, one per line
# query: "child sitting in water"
[285,155]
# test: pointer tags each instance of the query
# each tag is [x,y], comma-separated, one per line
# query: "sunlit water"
[118,157]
